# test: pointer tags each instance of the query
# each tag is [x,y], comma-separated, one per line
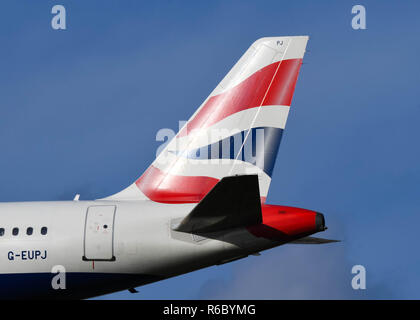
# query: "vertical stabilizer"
[237,129]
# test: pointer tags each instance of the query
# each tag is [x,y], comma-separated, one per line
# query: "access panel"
[99,233]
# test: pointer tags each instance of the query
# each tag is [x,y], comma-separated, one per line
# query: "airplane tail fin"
[237,129]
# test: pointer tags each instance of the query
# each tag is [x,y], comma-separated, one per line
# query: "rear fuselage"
[105,246]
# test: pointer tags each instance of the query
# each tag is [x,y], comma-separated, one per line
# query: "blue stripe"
[260,149]
[79,285]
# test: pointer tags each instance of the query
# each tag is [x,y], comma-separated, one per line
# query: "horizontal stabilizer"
[313,240]
[233,202]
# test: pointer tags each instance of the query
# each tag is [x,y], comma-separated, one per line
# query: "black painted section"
[233,202]
[78,285]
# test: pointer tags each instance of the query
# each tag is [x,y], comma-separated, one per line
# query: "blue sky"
[80,108]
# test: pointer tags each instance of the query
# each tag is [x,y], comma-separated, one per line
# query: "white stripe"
[214,168]
[269,116]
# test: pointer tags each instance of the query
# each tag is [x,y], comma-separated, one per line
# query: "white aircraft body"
[200,203]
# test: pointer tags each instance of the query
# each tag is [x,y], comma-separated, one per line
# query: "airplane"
[202,202]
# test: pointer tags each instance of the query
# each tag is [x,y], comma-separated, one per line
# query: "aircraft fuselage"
[106,246]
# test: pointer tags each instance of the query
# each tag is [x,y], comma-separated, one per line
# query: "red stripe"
[250,93]
[167,188]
